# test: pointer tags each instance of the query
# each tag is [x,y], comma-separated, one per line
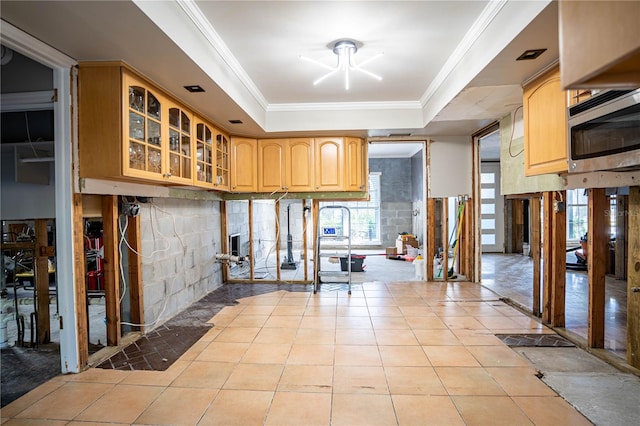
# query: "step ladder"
[339,240]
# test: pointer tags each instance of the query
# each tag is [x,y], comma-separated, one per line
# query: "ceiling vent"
[530,54]
[194,88]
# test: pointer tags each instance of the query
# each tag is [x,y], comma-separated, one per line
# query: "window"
[577,213]
[365,215]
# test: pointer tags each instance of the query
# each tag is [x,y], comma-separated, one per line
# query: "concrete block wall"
[264,231]
[395,197]
[179,241]
[395,218]
[238,223]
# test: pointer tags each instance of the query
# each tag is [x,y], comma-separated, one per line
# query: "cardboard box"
[401,245]
[391,252]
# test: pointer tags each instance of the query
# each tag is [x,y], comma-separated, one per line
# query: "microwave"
[604,132]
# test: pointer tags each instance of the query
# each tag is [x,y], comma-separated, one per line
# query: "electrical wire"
[513,127]
[26,120]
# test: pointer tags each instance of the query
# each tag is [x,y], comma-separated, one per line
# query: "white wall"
[23,200]
[449,167]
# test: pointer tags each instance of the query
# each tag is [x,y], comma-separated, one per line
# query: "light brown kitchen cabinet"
[599,44]
[244,165]
[223,158]
[545,125]
[128,128]
[299,165]
[329,164]
[357,170]
[285,165]
[271,165]
[212,161]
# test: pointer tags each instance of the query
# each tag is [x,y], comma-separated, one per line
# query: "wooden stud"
[547,258]
[111,269]
[277,225]
[445,238]
[559,264]
[136,292]
[315,206]
[621,236]
[633,278]
[534,221]
[251,256]
[430,250]
[304,240]
[224,235]
[598,253]
[517,214]
[41,278]
[80,286]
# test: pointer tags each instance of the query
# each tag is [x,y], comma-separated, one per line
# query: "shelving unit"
[340,241]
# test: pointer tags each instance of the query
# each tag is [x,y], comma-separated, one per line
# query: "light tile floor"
[391,353]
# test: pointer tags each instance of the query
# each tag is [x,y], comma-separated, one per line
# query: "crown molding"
[193,12]
[25,44]
[486,17]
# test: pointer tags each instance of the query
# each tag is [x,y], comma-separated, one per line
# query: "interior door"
[491,209]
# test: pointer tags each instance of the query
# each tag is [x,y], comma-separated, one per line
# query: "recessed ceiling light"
[235,121]
[530,54]
[194,88]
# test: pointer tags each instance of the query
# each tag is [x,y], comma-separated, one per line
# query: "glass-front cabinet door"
[143,131]
[180,166]
[222,162]
[204,154]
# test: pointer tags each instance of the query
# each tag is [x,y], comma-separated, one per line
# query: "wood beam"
[444,232]
[534,221]
[430,252]
[277,225]
[622,215]
[136,292]
[315,210]
[41,278]
[251,256]
[559,266]
[305,261]
[80,286]
[547,256]
[111,269]
[224,236]
[633,279]
[598,254]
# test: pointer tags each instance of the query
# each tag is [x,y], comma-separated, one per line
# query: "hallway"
[392,353]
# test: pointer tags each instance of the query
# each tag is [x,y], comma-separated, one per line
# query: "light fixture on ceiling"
[530,54]
[345,50]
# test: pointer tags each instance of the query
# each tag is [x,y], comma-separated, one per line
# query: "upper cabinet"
[130,129]
[285,165]
[329,164]
[271,165]
[545,125]
[244,165]
[357,170]
[599,44]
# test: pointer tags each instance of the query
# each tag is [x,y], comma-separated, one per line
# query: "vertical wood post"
[136,292]
[224,236]
[80,286]
[445,238]
[111,267]
[430,251]
[304,240]
[251,254]
[633,279]
[547,256]
[315,210]
[559,264]
[621,236]
[277,224]
[597,255]
[41,278]
[534,220]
